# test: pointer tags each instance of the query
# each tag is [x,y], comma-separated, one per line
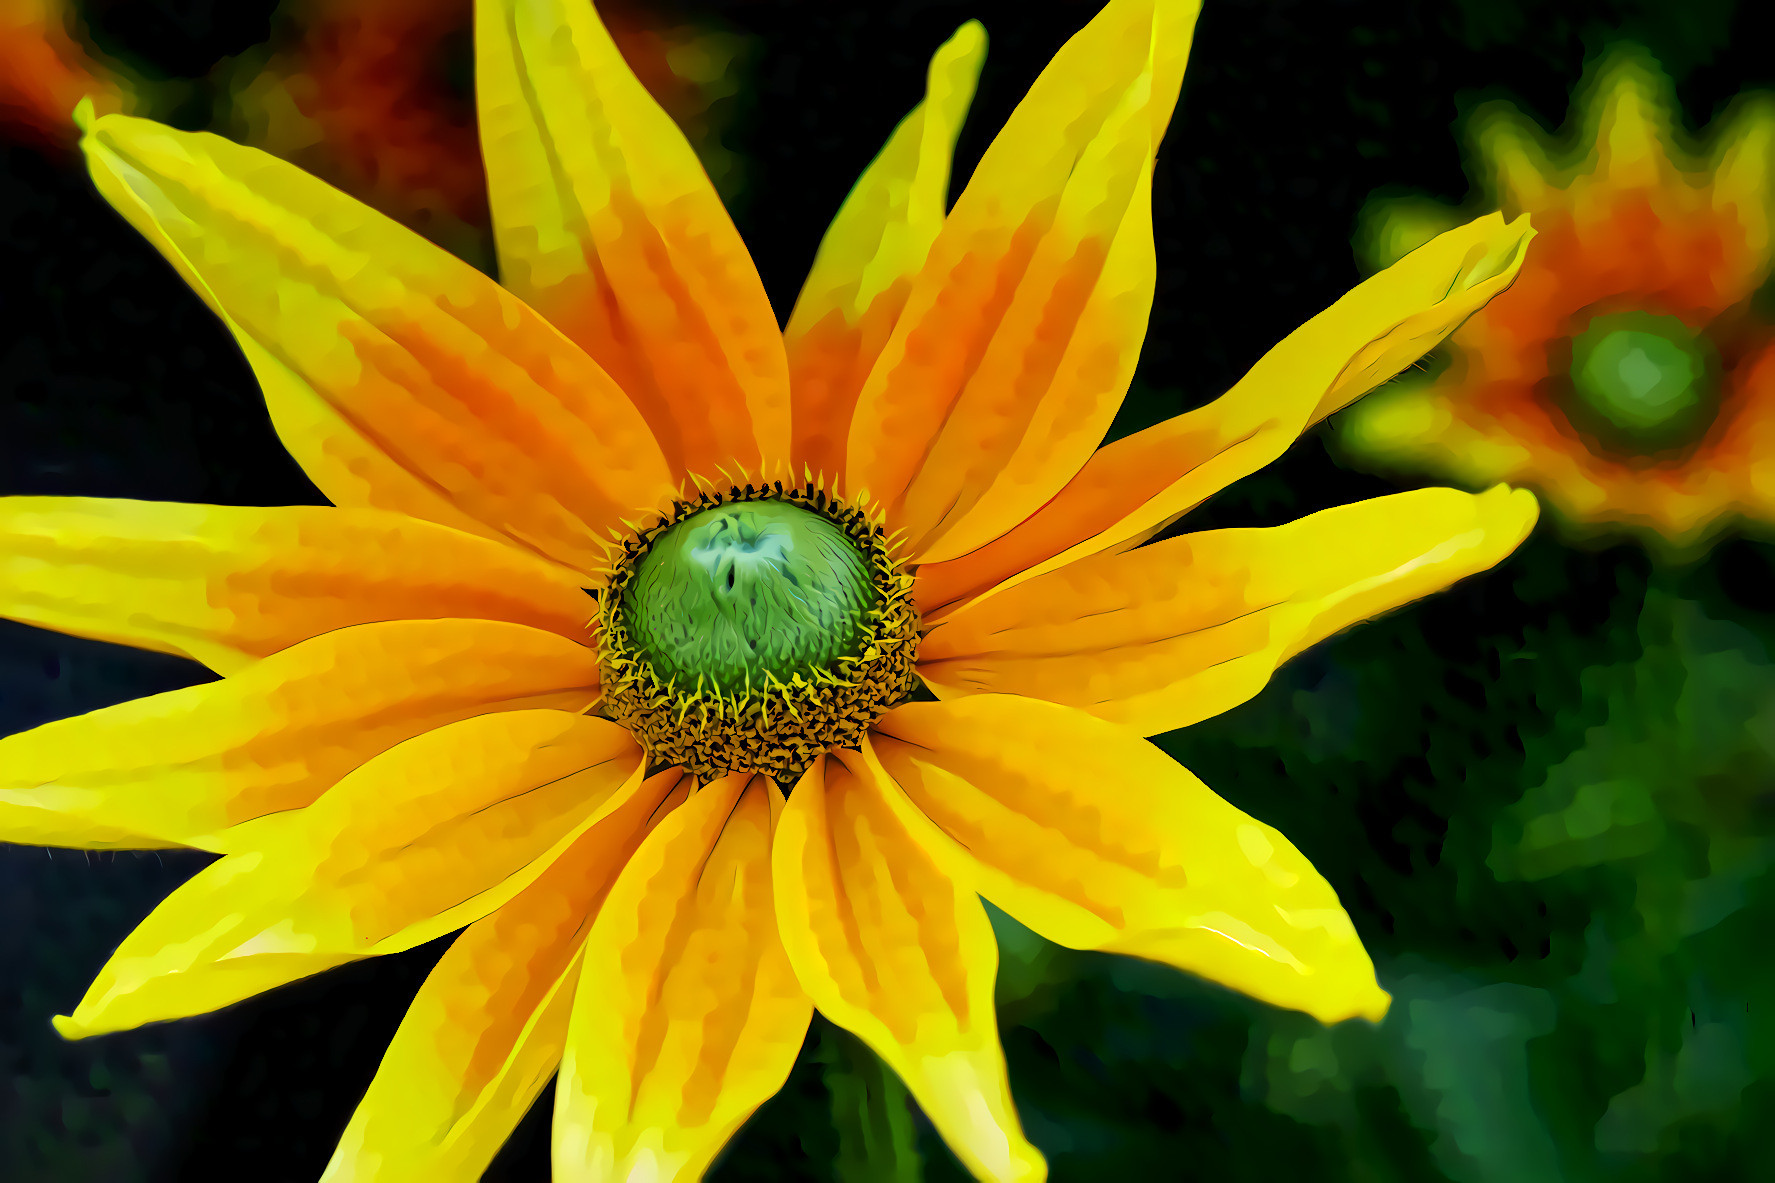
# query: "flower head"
[1629,375]
[606,647]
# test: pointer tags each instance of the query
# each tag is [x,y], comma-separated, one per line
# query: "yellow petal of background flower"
[893,949]
[485,1032]
[607,224]
[1134,486]
[1097,840]
[1020,334]
[467,407]
[1180,630]
[687,1015]
[180,768]
[870,253]
[433,834]
[227,584]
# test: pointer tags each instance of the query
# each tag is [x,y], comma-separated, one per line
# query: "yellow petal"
[1097,840]
[485,1032]
[1744,171]
[607,224]
[1175,632]
[687,1016]
[1136,485]
[870,254]
[896,951]
[429,836]
[1020,333]
[226,584]
[444,396]
[181,768]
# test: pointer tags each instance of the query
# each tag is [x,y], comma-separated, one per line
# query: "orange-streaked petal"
[1020,334]
[870,253]
[894,949]
[1181,630]
[485,1032]
[688,1016]
[1097,840]
[1137,484]
[227,584]
[180,768]
[431,835]
[399,376]
[607,224]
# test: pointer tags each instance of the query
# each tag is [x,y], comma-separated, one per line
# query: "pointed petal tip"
[69,1028]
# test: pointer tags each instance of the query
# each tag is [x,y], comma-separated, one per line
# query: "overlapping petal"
[225,585]
[687,1015]
[607,224]
[1134,486]
[485,1032]
[894,947]
[433,834]
[1098,840]
[183,767]
[869,256]
[399,376]
[1019,336]
[1175,632]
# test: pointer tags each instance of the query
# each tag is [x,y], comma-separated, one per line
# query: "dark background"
[1600,1017]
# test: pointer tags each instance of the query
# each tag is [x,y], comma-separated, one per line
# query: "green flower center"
[1644,381]
[748,594]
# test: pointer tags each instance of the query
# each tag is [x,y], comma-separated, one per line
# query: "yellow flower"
[417,730]
[1628,376]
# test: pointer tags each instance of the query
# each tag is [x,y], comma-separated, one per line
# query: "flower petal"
[444,396]
[1021,332]
[896,951]
[431,835]
[1134,486]
[1096,840]
[869,256]
[1181,630]
[607,224]
[688,1016]
[227,584]
[183,767]
[485,1032]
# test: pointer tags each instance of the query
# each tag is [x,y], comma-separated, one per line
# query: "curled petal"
[225,585]
[1097,840]
[433,834]
[687,1015]
[399,376]
[1131,488]
[1175,632]
[892,948]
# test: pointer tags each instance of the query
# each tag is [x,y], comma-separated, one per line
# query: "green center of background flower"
[1646,381]
[745,589]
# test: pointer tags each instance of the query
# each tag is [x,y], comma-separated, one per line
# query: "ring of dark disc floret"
[779,728]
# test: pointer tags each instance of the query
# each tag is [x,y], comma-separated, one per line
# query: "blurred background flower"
[1629,377]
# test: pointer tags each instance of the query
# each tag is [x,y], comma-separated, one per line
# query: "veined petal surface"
[1131,488]
[606,223]
[896,950]
[399,376]
[1181,630]
[1019,336]
[485,1032]
[183,767]
[869,256]
[225,585]
[1097,840]
[687,1016]
[433,834]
